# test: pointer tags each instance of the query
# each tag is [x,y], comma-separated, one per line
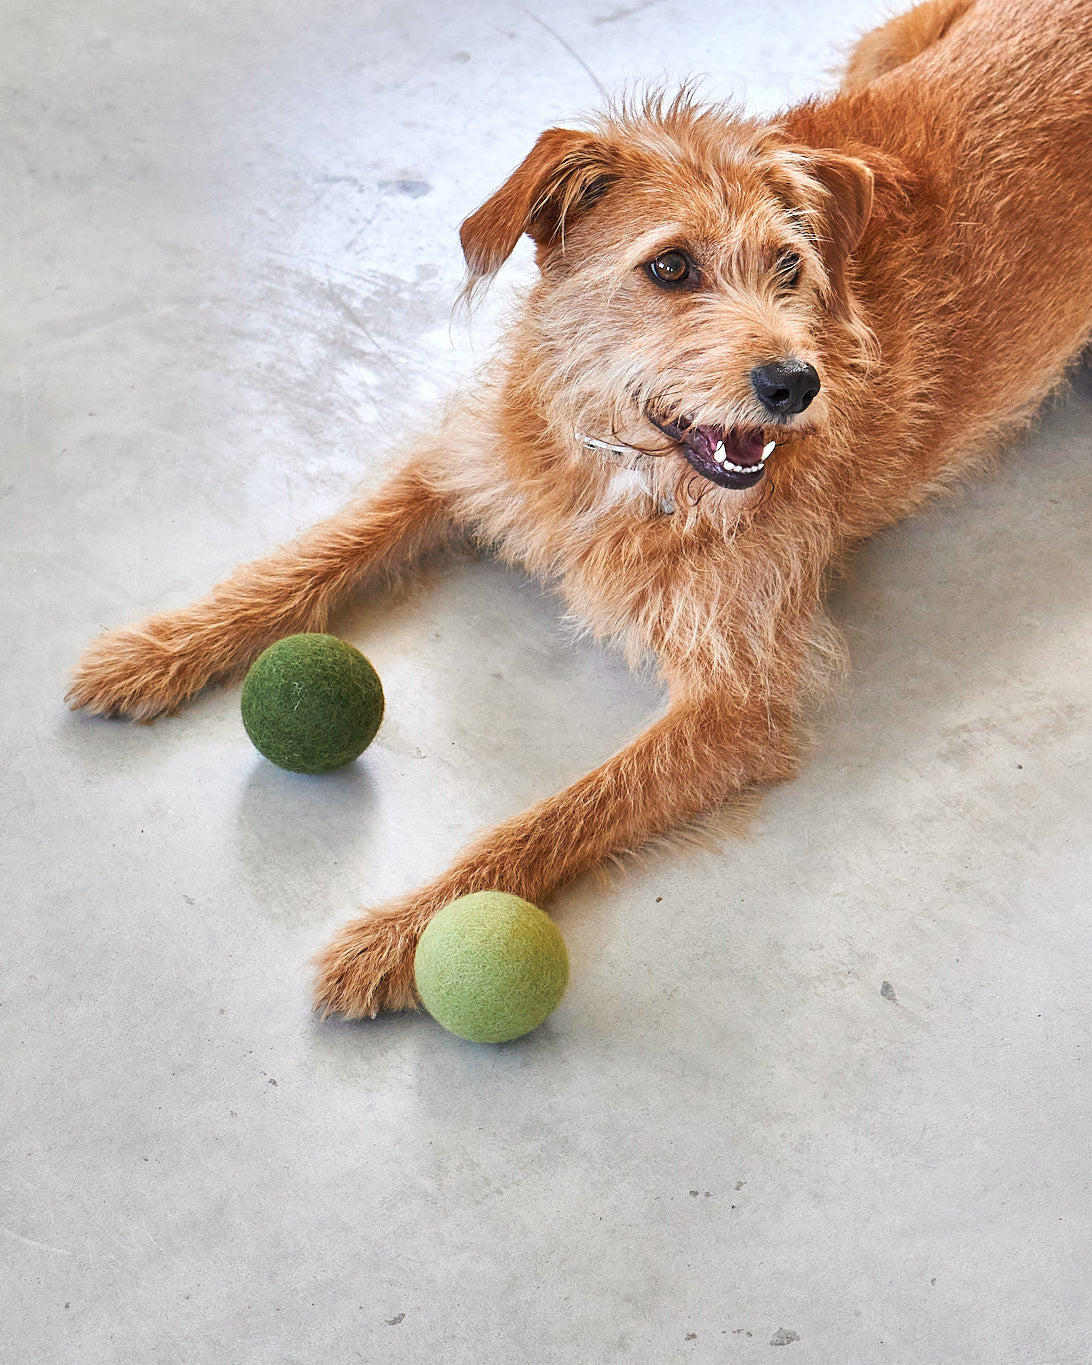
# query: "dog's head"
[694,297]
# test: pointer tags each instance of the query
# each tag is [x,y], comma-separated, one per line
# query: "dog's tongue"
[742,445]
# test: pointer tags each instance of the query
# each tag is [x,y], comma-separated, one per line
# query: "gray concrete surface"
[822,1095]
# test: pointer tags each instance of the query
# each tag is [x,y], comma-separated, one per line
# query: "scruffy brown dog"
[750,346]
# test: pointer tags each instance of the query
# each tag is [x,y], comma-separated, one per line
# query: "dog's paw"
[368,966]
[134,673]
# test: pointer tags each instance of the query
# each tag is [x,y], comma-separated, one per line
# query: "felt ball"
[491,967]
[311,703]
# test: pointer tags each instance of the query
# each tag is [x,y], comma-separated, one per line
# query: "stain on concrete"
[349,180]
[784,1336]
[888,992]
[412,189]
[327,343]
[623,12]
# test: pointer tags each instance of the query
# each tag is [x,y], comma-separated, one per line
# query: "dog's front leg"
[143,671]
[705,749]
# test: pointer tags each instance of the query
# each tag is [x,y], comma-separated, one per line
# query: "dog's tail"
[901,39]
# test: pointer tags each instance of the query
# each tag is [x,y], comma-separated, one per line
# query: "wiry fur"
[939,204]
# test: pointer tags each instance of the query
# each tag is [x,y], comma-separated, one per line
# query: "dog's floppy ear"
[841,193]
[839,216]
[843,213]
[562,175]
[859,187]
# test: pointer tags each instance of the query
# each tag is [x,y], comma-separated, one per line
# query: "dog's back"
[982,292]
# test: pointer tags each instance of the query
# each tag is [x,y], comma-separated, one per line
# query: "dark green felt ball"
[311,703]
[491,967]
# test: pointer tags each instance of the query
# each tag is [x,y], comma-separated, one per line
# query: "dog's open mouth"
[733,457]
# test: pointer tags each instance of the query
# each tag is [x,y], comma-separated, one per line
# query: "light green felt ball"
[491,967]
[311,703]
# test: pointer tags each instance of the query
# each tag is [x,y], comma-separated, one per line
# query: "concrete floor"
[825,1091]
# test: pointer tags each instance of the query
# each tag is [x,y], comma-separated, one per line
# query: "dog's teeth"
[767,450]
[720,455]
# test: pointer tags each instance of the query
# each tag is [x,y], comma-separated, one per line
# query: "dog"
[749,346]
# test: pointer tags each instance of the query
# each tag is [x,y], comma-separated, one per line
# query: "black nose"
[785,387]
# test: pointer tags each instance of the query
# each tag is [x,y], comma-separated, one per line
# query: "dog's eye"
[789,266]
[672,267]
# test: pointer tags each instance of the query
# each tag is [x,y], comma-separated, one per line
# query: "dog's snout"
[785,387]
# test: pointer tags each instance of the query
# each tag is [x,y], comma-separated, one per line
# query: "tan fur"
[901,39]
[940,206]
